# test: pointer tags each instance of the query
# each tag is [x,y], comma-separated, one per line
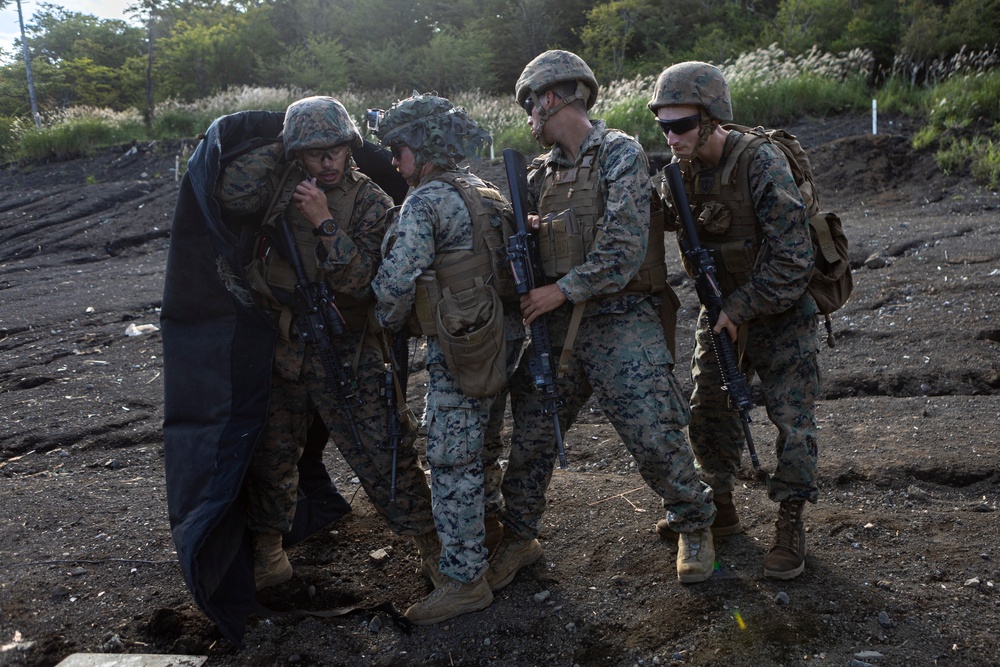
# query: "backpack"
[831,283]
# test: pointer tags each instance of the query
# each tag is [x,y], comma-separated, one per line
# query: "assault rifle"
[526,269]
[318,321]
[734,382]
[394,430]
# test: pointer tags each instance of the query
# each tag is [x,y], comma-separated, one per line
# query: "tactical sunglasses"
[680,125]
[397,151]
[529,104]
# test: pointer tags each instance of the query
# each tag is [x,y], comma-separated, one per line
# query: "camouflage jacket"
[618,253]
[351,256]
[433,219]
[780,276]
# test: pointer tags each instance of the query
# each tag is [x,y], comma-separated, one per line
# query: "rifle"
[396,353]
[526,270]
[734,383]
[317,321]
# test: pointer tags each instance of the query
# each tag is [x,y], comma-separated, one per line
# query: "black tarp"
[217,356]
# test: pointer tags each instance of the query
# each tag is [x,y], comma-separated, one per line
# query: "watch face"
[329,227]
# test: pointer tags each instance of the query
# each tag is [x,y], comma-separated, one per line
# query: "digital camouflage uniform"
[781,343]
[348,261]
[620,354]
[433,220]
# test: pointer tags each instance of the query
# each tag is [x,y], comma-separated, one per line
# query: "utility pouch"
[428,295]
[470,332]
[560,243]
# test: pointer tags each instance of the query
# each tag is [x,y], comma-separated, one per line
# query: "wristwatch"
[326,228]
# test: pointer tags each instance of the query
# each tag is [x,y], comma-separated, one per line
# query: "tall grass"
[768,87]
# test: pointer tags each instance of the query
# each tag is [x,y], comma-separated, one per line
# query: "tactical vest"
[725,215]
[459,270]
[274,279]
[567,235]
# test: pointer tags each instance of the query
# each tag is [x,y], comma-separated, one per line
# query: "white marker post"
[874,116]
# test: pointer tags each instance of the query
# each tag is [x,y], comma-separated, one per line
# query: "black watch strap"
[326,228]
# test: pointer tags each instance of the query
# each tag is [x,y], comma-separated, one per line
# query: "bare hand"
[725,323]
[539,301]
[311,202]
[534,221]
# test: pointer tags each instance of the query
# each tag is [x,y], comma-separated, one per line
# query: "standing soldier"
[441,273]
[591,194]
[751,216]
[337,217]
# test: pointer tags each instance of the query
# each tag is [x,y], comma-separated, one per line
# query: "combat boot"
[270,562]
[726,522]
[695,556]
[510,557]
[494,533]
[787,558]
[429,552]
[450,599]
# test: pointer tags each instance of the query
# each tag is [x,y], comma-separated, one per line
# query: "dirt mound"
[903,543]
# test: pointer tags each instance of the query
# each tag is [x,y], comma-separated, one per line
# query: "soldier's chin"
[681,155]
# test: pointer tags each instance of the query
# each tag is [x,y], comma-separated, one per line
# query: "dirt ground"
[904,545]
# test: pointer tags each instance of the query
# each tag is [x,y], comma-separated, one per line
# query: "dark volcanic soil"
[904,559]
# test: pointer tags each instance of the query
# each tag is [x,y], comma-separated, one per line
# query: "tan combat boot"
[270,562]
[726,522]
[429,551]
[509,558]
[494,533]
[787,558]
[451,599]
[695,556]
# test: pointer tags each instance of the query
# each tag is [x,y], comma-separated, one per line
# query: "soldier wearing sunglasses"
[751,216]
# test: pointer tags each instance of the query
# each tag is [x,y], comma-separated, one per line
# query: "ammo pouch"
[471,334]
[562,243]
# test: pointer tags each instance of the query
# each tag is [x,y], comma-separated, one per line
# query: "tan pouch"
[428,295]
[470,331]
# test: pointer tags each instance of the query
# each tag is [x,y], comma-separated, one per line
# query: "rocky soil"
[904,559]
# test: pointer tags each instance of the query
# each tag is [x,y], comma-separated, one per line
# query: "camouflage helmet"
[318,122]
[695,83]
[434,129]
[552,67]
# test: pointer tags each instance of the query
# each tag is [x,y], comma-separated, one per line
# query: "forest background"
[179,64]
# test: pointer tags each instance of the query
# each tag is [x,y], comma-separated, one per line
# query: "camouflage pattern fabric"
[350,259]
[781,344]
[435,130]
[622,359]
[553,67]
[617,255]
[697,83]
[620,356]
[273,477]
[434,219]
[318,122]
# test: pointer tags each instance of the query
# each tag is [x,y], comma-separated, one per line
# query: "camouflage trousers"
[456,426]
[273,480]
[782,350]
[493,444]
[622,359]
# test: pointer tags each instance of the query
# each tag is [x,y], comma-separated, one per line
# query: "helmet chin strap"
[582,92]
[705,130]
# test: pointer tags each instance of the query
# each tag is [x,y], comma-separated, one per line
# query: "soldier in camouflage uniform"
[429,137]
[751,216]
[591,192]
[338,218]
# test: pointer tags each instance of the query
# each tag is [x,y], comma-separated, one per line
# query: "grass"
[961,110]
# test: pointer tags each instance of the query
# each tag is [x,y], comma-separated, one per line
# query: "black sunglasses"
[528,104]
[680,125]
[397,151]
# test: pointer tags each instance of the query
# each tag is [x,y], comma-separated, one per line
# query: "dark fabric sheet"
[217,366]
